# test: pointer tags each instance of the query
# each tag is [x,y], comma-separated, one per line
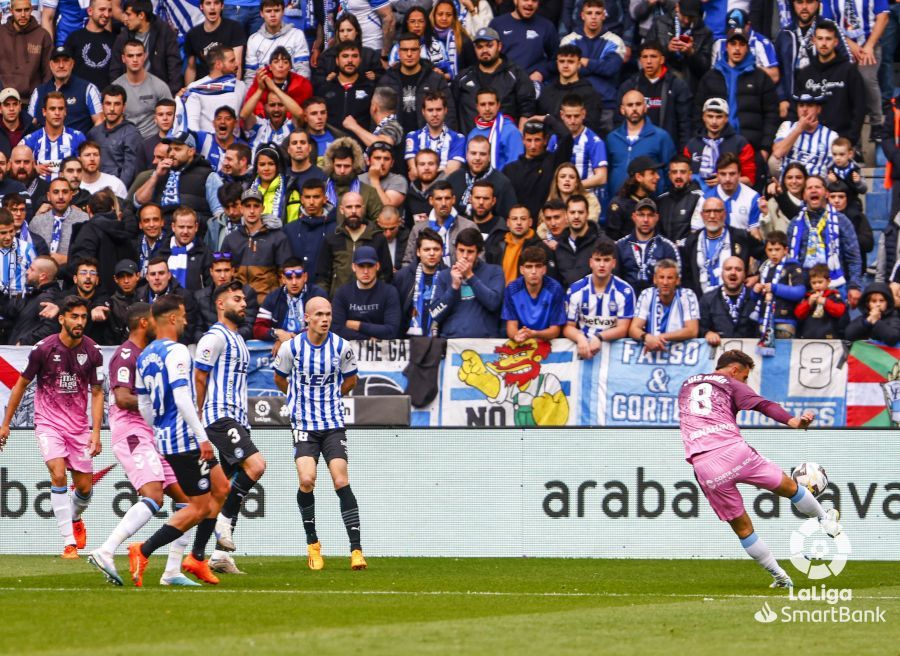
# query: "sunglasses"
[294,273]
[221,256]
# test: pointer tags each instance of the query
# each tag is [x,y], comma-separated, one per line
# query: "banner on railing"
[873,385]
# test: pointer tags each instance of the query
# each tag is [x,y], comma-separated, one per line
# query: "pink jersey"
[125,423]
[64,379]
[709,404]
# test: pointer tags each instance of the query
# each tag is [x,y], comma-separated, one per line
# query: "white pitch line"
[449,593]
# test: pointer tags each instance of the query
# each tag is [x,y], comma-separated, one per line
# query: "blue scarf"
[147,253]
[293,320]
[806,238]
[766,345]
[420,319]
[449,40]
[444,230]
[659,313]
[731,75]
[734,307]
[171,195]
[331,192]
[56,236]
[178,261]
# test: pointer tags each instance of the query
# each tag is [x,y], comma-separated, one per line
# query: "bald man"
[26,324]
[725,310]
[636,137]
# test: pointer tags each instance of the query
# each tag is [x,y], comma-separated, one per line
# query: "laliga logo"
[820,550]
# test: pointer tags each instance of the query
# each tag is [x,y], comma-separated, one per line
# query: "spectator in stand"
[257,250]
[534,305]
[528,39]
[567,183]
[484,200]
[17,252]
[295,86]
[507,243]
[299,147]
[532,174]
[600,306]
[390,187]
[805,140]
[159,39]
[512,84]
[127,279]
[741,201]
[636,137]
[838,193]
[15,122]
[212,145]
[431,50]
[8,185]
[574,248]
[668,96]
[680,206]
[121,144]
[228,220]
[416,284]
[15,204]
[602,56]
[568,84]
[282,114]
[784,199]
[53,142]
[417,206]
[468,296]
[367,307]
[588,150]
[726,311]
[203,97]
[23,169]
[313,224]
[349,93]
[395,234]
[820,235]
[780,288]
[443,219]
[25,49]
[687,41]
[706,249]
[553,223]
[333,268]
[795,48]
[478,167]
[878,319]
[214,30]
[642,183]
[159,283]
[143,91]
[449,31]
[188,257]
[666,312]
[150,240]
[761,48]
[91,178]
[501,133]
[844,169]
[274,33]
[85,280]
[639,252]
[435,135]
[104,238]
[57,225]
[26,323]
[645,13]
[236,165]
[92,45]
[81,98]
[320,131]
[342,166]
[163,120]
[281,316]
[618,19]
[823,313]
[72,172]
[221,272]
[714,139]
[347,29]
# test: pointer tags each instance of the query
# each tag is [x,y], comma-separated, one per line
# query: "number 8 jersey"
[161,368]
[708,405]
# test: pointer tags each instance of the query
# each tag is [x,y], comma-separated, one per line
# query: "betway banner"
[606,493]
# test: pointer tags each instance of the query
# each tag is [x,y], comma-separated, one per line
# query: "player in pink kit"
[708,404]
[65,366]
[135,448]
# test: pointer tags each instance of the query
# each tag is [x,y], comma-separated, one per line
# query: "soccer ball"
[812,476]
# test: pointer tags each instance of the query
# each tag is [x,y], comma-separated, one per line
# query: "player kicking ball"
[65,366]
[135,449]
[713,444]
[315,369]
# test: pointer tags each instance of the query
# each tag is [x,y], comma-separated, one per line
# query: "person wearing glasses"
[281,316]
[221,272]
[86,279]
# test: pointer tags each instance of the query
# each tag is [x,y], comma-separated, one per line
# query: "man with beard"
[529,39]
[221,87]
[531,175]
[92,178]
[221,272]
[92,45]
[444,219]
[484,200]
[26,323]
[160,283]
[81,98]
[503,135]
[575,245]
[24,49]
[478,167]
[302,166]
[149,242]
[104,238]
[276,126]
[507,243]
[417,207]
[390,187]
[235,165]
[22,169]
[716,138]
[54,142]
[334,267]
[182,178]
[8,185]
[119,140]
[343,166]
[57,225]
[188,257]
[143,89]
[725,310]
[87,288]
[348,93]
[72,171]
[435,135]
[15,122]
[636,137]
[680,206]
[366,307]
[638,253]
[127,279]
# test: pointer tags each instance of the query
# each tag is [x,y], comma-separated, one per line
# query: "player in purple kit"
[135,448]
[66,366]
[713,444]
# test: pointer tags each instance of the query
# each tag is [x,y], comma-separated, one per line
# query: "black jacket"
[190,307]
[886,329]
[370,60]
[839,80]
[572,264]
[117,321]
[714,315]
[618,219]
[199,261]
[757,104]
[669,104]
[742,245]
[531,179]
[503,190]
[108,240]
[25,326]
[208,315]
[354,101]
[428,80]
[512,84]
[676,209]
[405,281]
[163,53]
[553,93]
[692,68]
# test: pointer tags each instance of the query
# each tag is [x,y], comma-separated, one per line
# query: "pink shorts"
[719,471]
[141,462]
[74,449]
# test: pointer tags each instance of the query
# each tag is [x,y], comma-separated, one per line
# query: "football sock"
[241,484]
[205,530]
[807,504]
[177,549]
[760,552]
[306,501]
[62,510]
[80,503]
[350,515]
[164,535]
[138,515]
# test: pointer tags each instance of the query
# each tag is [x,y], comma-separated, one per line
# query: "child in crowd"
[780,287]
[879,320]
[847,170]
[823,313]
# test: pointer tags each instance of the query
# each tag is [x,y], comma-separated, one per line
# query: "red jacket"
[298,88]
[834,306]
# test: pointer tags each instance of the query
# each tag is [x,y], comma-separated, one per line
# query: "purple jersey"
[709,404]
[125,423]
[64,378]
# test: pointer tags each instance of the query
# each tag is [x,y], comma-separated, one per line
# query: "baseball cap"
[365,255]
[61,51]
[645,203]
[251,194]
[185,138]
[809,99]
[737,33]
[737,18]
[486,34]
[125,266]
[8,93]
[641,164]
[379,145]
[719,105]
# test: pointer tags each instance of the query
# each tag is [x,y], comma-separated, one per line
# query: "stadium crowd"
[593,169]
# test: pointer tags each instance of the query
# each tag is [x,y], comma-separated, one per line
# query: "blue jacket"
[377,309]
[627,268]
[305,237]
[473,310]
[82,102]
[510,147]
[652,141]
[531,44]
[605,54]
[851,260]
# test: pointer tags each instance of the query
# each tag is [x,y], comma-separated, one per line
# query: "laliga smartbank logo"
[818,556]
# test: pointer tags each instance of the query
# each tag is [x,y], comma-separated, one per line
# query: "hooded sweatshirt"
[24,56]
[887,329]
[108,240]
[261,44]
[841,82]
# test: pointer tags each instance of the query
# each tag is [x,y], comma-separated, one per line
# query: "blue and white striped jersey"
[224,354]
[588,152]
[263,133]
[209,148]
[742,209]
[858,21]
[813,150]
[450,145]
[662,318]
[53,152]
[14,262]
[315,375]
[760,46]
[593,311]
[161,368]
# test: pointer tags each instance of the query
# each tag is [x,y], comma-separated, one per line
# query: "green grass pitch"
[435,606]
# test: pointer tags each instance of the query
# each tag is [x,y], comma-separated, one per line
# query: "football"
[812,476]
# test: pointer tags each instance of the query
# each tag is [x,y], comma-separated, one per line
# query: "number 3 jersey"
[315,375]
[709,404]
[162,367]
[224,354]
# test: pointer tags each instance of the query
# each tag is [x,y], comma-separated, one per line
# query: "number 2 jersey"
[709,404]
